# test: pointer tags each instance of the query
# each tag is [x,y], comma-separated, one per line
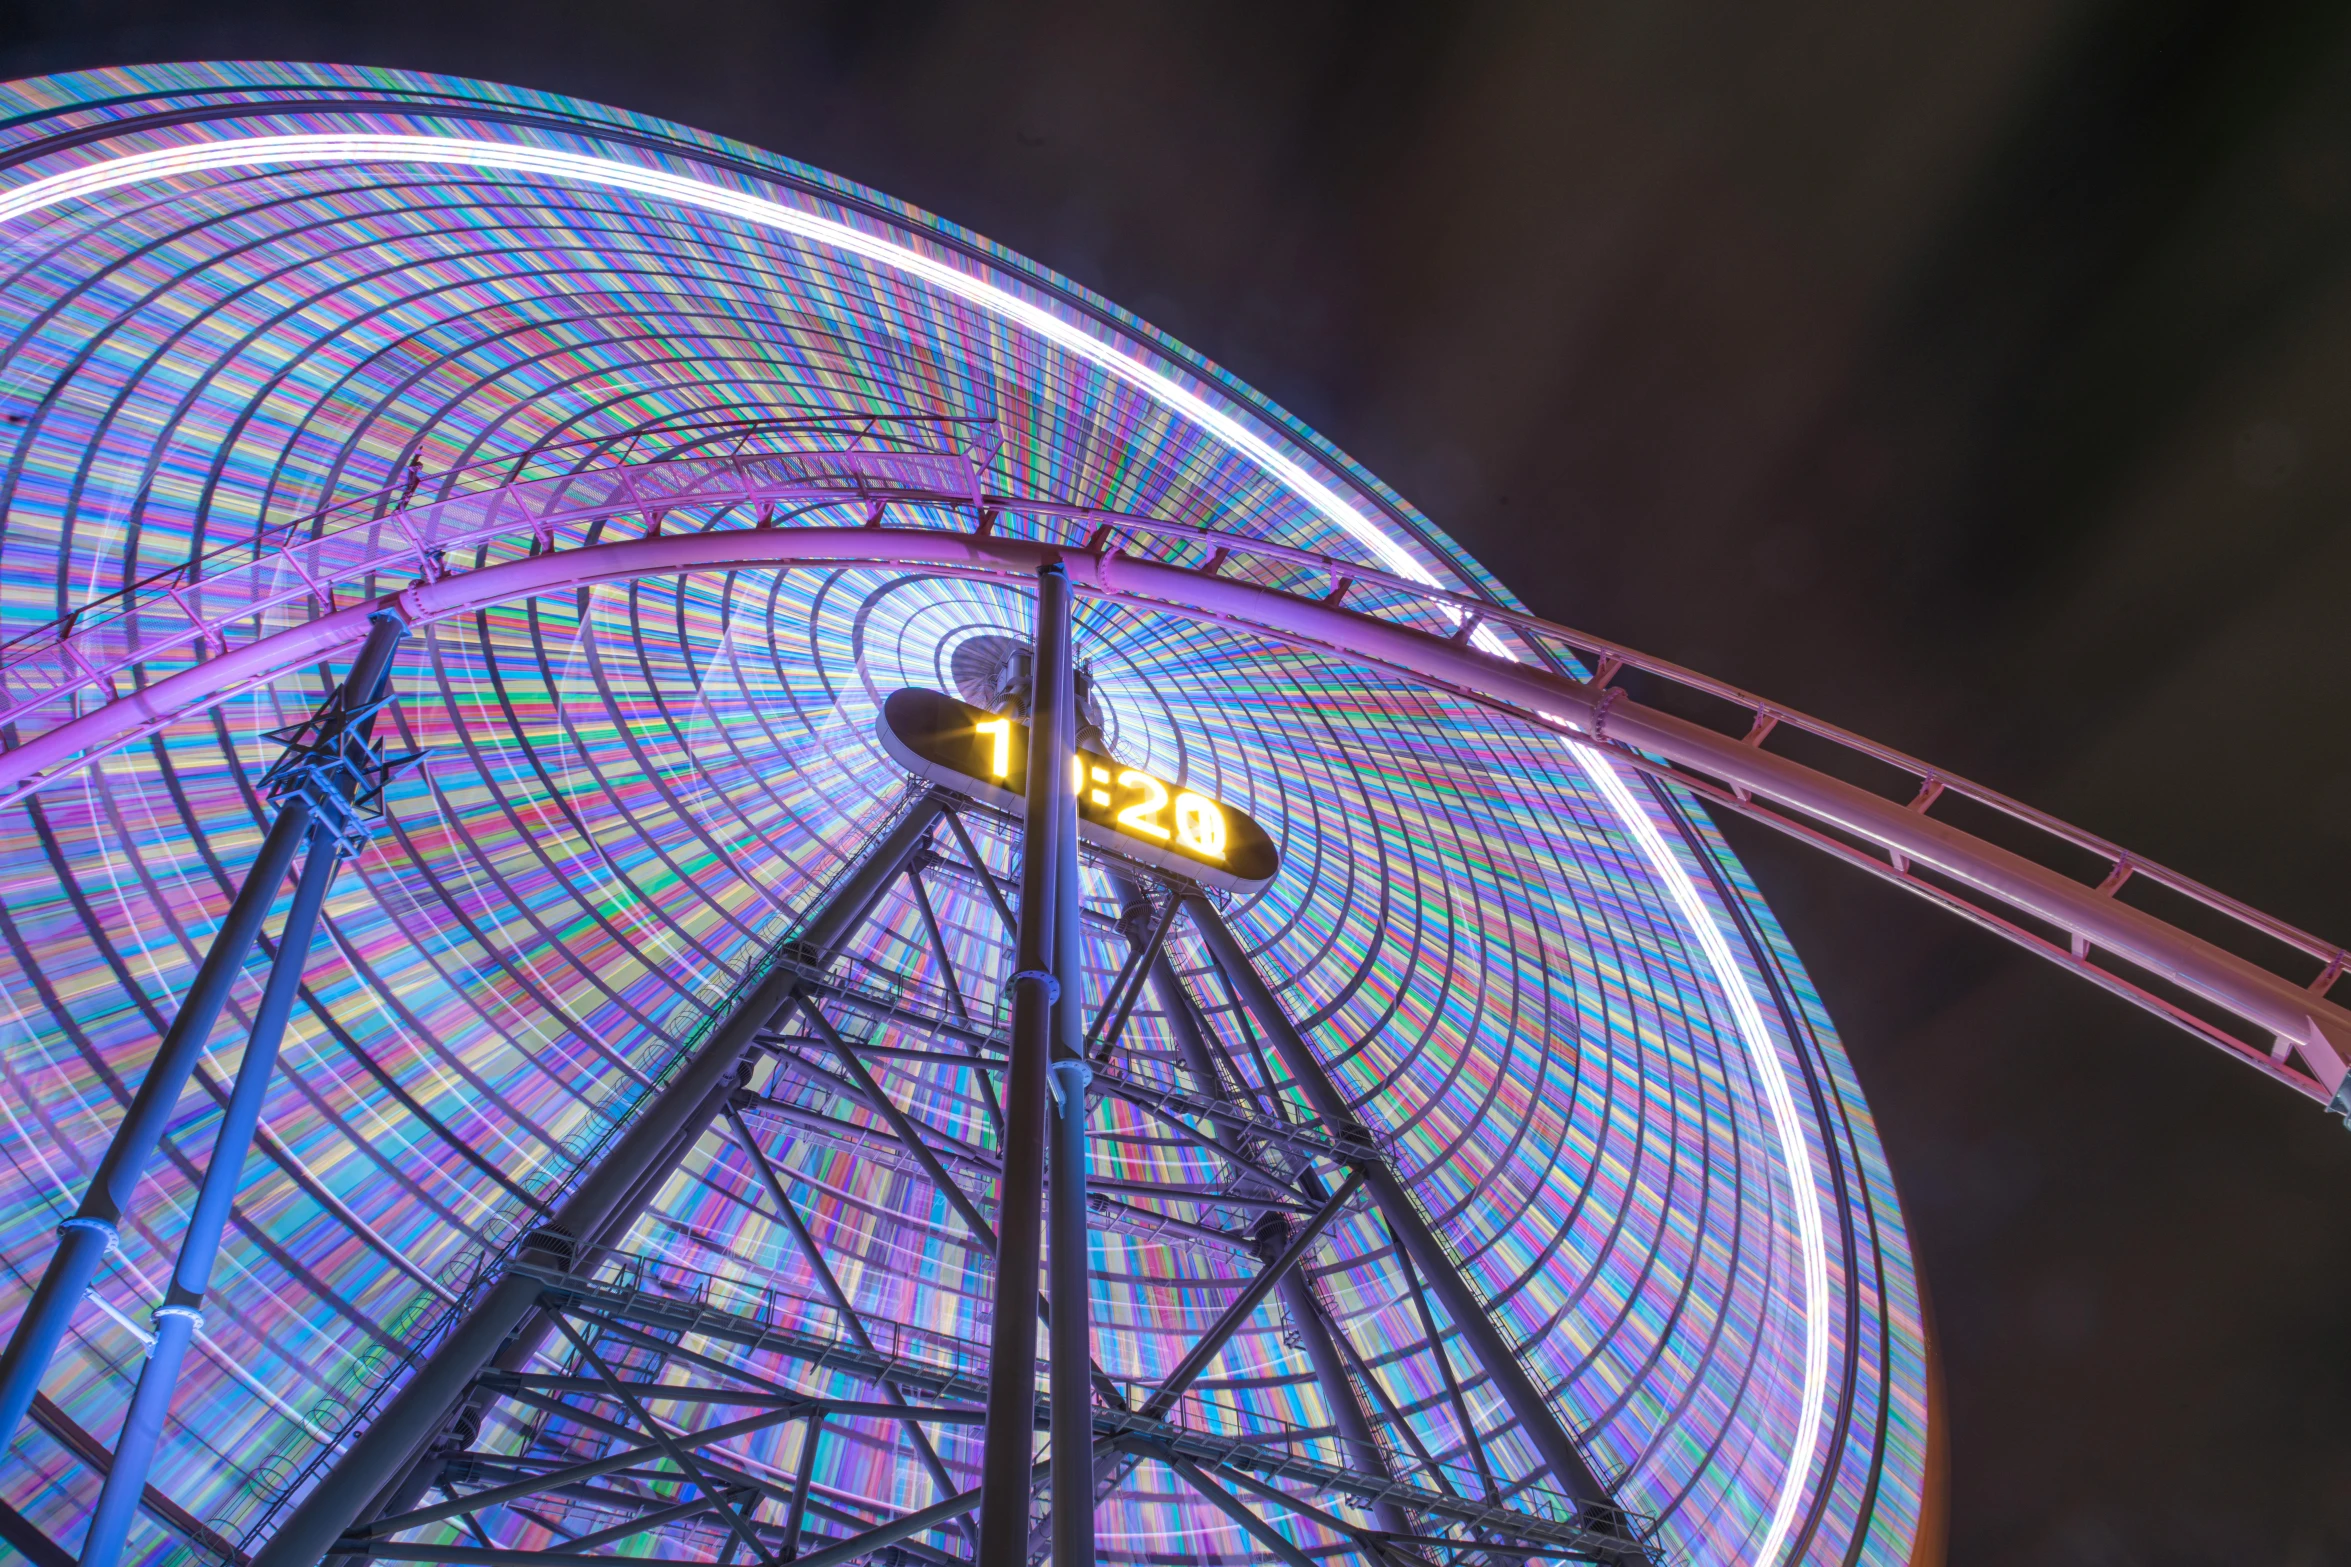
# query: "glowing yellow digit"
[1001,728]
[1143,815]
[1199,825]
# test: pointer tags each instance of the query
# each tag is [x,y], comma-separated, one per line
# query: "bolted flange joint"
[1052,985]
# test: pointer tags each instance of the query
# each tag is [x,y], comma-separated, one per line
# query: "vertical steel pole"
[1535,1415]
[84,1239]
[182,1311]
[1070,1355]
[1005,1463]
[384,1455]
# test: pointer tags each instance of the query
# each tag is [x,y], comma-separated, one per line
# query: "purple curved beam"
[1733,773]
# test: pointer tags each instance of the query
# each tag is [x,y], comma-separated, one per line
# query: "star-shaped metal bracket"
[332,761]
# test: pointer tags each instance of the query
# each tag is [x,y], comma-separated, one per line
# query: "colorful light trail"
[1551,987]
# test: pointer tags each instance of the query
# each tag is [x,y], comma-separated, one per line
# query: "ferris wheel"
[699,870]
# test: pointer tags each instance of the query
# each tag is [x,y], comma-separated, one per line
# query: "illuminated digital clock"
[1120,808]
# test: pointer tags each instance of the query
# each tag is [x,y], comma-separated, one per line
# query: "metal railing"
[193,606]
[277,1479]
[650,1293]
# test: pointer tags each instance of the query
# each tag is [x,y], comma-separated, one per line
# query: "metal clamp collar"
[1082,1072]
[1052,985]
[83,1222]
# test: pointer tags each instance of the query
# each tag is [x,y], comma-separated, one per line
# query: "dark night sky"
[1974,376]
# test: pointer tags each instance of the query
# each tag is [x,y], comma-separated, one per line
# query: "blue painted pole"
[182,1311]
[84,1239]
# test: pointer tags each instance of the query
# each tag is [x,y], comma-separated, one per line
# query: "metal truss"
[624,1346]
[633,1435]
[586,1395]
[1253,1185]
[642,1480]
[389,1463]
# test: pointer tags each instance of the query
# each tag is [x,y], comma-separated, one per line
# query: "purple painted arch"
[1591,716]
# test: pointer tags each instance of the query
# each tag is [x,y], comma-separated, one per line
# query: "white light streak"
[1795,1149]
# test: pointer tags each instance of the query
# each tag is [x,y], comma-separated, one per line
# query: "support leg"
[85,1238]
[1452,1383]
[1012,1365]
[1071,1335]
[1297,1294]
[1330,1375]
[1541,1423]
[798,1508]
[182,1310]
[583,1257]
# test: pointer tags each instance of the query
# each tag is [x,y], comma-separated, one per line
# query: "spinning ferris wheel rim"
[264,151]
[1322,494]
